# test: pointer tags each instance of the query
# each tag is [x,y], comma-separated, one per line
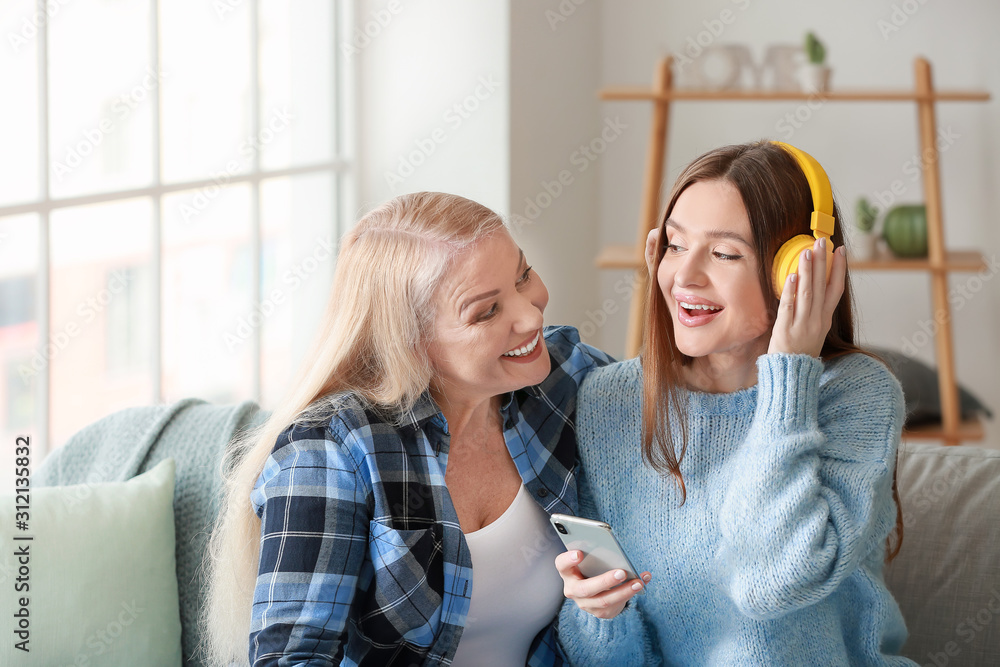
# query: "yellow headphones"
[786,261]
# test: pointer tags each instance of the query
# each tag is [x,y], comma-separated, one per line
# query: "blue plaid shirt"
[363,560]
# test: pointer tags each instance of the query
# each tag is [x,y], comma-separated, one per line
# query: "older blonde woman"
[425,442]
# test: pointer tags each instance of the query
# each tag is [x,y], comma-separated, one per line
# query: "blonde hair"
[372,343]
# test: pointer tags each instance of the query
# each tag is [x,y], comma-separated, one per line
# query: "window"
[17,294]
[128,338]
[173,162]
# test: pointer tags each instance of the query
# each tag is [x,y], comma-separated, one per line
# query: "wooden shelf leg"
[947,383]
[649,215]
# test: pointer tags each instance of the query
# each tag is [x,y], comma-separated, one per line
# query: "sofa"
[946,578]
[120,449]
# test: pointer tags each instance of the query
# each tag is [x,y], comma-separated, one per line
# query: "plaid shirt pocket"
[409,573]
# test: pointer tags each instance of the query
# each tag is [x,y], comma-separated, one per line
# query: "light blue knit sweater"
[776,556]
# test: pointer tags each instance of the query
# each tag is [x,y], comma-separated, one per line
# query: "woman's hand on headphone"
[805,312]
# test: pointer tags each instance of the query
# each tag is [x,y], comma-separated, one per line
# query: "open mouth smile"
[525,350]
[692,314]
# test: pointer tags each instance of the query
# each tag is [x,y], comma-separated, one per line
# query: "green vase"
[905,230]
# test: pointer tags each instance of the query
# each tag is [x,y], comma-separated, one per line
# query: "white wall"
[863,146]
[435,91]
[555,67]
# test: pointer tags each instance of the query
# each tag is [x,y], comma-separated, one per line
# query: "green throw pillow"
[96,585]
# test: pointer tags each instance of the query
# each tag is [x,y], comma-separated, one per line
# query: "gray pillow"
[920,389]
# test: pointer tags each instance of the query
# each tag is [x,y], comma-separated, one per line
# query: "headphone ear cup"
[786,260]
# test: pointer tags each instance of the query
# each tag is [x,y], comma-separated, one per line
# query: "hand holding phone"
[597,574]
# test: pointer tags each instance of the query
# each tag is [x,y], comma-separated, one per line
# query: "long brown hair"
[779,202]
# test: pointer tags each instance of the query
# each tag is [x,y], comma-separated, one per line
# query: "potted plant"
[864,242]
[814,74]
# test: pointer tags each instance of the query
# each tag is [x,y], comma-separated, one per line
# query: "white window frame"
[342,170]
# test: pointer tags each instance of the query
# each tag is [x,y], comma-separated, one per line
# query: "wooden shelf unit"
[695,94]
[954,260]
[938,263]
[623,257]
[969,430]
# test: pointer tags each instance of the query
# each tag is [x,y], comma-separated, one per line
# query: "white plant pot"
[864,246]
[814,78]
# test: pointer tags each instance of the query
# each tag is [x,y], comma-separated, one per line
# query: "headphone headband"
[786,260]
[822,221]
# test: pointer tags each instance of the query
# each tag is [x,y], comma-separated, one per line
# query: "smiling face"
[709,276]
[487,337]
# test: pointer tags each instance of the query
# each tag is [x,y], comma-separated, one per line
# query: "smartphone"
[601,551]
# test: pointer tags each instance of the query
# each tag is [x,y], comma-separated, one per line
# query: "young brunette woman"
[747,457]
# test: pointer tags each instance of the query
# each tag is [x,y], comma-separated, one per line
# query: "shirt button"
[542,492]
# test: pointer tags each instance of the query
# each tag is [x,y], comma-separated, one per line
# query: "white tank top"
[516,590]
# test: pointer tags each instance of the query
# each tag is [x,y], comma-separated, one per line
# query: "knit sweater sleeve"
[623,641]
[810,497]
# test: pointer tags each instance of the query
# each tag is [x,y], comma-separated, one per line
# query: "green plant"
[865,215]
[815,50]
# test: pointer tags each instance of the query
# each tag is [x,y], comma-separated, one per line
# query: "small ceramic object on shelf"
[905,230]
[814,75]
[864,243]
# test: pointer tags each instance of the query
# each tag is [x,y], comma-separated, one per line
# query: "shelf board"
[846,95]
[619,257]
[624,257]
[955,260]
[968,430]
